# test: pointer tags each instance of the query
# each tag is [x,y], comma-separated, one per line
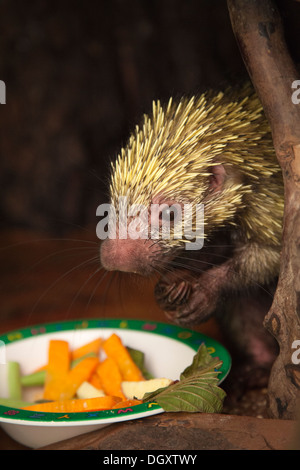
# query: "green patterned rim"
[189,337]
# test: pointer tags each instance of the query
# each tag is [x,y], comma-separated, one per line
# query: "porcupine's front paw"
[186,302]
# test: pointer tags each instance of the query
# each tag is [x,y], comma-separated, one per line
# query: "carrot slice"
[57,368]
[115,349]
[110,377]
[76,376]
[95,380]
[88,348]
[91,347]
[75,405]
[125,403]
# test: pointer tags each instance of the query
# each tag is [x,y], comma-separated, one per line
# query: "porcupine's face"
[157,232]
[176,159]
[138,246]
[212,150]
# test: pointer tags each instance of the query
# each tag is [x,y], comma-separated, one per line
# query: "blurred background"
[79,76]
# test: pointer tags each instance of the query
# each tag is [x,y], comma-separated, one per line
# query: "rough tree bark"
[260,36]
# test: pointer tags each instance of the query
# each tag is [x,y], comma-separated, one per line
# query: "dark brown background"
[80,74]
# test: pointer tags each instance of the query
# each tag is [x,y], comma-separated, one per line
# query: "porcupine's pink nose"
[125,255]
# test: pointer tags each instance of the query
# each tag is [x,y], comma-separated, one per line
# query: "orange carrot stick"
[125,403]
[110,377]
[93,346]
[57,367]
[114,349]
[95,380]
[75,405]
[76,376]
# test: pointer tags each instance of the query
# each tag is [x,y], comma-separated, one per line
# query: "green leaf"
[138,358]
[202,360]
[197,390]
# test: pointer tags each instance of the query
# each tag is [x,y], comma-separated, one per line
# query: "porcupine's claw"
[189,302]
[170,296]
[178,302]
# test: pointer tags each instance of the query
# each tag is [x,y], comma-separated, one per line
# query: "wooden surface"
[183,431]
[36,289]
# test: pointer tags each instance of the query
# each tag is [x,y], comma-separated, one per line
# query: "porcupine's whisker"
[172,272]
[111,279]
[159,272]
[22,279]
[193,263]
[195,260]
[177,264]
[15,245]
[59,252]
[155,242]
[84,263]
[216,246]
[173,264]
[177,275]
[82,287]
[182,265]
[118,278]
[167,268]
[104,274]
[208,273]
[39,240]
[121,290]
[212,275]
[94,174]
[199,260]
[114,275]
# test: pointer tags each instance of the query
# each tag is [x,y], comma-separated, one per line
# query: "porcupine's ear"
[217,178]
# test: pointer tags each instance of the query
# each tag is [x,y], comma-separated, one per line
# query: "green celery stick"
[34,379]
[14,380]
[11,403]
[3,380]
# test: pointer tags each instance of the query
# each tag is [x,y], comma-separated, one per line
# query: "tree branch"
[259,34]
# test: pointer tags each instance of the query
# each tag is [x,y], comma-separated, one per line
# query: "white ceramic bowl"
[168,350]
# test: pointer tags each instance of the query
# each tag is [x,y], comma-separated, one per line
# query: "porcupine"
[215,150]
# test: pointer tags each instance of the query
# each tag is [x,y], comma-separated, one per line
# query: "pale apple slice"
[138,389]
[87,390]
